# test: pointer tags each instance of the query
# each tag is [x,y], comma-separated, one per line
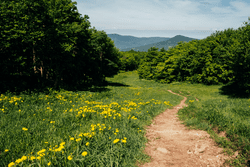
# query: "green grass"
[59,128]
[215,112]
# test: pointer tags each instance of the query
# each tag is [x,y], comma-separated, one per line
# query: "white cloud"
[164,14]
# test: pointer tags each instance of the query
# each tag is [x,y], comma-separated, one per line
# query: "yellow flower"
[24,129]
[49,163]
[69,158]
[167,103]
[41,151]
[84,153]
[87,143]
[11,164]
[116,140]
[116,130]
[72,138]
[6,150]
[23,158]
[18,161]
[78,139]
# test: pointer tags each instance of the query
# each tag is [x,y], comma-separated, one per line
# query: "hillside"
[166,44]
[126,43]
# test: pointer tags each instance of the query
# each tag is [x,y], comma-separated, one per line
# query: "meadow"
[105,126]
[102,127]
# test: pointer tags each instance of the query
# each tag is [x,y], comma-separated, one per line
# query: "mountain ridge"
[126,43]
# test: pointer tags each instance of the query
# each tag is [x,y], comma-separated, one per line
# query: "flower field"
[65,128]
[105,126]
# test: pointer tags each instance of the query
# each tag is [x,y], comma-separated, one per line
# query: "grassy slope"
[145,99]
[216,112]
[41,122]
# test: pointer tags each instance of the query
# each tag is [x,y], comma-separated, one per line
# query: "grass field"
[105,126]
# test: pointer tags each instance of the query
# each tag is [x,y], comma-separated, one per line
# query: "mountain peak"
[126,43]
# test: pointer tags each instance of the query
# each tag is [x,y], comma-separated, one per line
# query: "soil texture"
[172,144]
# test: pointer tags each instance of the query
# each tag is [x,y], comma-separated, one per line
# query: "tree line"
[222,58]
[48,43]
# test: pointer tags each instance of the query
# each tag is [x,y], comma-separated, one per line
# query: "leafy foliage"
[149,62]
[49,43]
[221,58]
[130,60]
[241,65]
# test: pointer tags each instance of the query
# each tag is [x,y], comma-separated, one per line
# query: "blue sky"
[165,18]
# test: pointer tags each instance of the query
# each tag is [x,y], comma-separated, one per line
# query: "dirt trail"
[171,144]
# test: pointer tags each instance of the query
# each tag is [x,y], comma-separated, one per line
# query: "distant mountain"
[166,44]
[126,43]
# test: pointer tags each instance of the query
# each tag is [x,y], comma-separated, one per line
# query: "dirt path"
[171,144]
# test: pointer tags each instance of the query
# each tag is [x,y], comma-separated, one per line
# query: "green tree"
[106,55]
[50,41]
[20,27]
[241,66]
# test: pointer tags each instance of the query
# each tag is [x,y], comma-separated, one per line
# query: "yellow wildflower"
[11,164]
[79,139]
[116,140]
[84,153]
[69,158]
[24,129]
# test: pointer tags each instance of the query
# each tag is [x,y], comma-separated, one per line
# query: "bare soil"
[172,144]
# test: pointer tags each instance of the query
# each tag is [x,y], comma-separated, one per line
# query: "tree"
[41,38]
[241,66]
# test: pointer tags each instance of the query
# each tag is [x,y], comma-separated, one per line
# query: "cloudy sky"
[165,18]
